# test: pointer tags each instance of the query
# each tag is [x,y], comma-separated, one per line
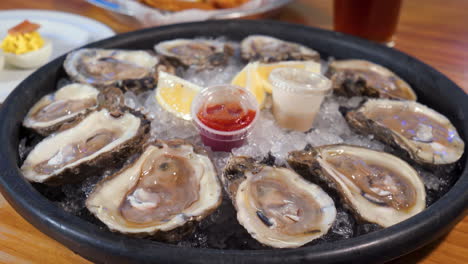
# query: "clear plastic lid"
[223,95]
[296,80]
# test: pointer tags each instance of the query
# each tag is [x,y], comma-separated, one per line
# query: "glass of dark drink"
[375,20]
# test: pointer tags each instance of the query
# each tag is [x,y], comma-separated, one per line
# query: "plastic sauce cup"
[220,96]
[297,96]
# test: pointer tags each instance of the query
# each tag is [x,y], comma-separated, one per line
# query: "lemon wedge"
[175,94]
[248,78]
[263,70]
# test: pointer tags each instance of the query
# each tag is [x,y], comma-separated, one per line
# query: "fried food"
[178,5]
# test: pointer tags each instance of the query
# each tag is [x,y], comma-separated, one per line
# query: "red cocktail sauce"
[229,116]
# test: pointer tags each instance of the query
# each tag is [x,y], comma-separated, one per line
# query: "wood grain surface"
[434,31]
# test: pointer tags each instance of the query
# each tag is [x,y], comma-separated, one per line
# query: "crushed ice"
[267,137]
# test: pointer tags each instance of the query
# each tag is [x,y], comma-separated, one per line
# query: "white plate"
[66,31]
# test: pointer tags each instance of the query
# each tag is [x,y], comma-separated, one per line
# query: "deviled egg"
[24,47]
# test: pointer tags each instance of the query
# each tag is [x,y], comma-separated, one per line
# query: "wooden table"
[434,31]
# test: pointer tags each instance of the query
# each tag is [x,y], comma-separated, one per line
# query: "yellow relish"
[21,43]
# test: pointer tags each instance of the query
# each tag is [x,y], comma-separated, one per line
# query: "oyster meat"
[169,187]
[364,78]
[98,142]
[198,53]
[68,104]
[268,49]
[277,206]
[379,187]
[427,136]
[103,67]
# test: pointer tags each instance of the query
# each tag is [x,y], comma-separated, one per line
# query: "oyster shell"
[277,206]
[364,78]
[170,186]
[68,104]
[103,67]
[143,85]
[379,187]
[427,136]
[99,142]
[195,52]
[269,49]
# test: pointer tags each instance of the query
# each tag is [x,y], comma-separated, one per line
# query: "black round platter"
[99,245]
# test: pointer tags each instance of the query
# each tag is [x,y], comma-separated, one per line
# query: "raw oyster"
[103,67]
[277,206]
[98,142]
[378,186]
[169,187]
[269,49]
[68,104]
[427,136]
[195,52]
[364,78]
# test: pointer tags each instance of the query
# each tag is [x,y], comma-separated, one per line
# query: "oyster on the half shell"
[379,187]
[97,143]
[268,49]
[102,67]
[68,104]
[168,188]
[277,206]
[426,135]
[364,78]
[200,53]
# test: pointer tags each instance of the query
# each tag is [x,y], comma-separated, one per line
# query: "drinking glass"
[375,20]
